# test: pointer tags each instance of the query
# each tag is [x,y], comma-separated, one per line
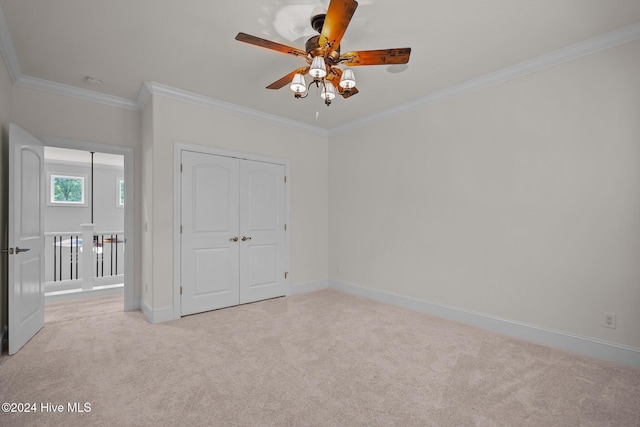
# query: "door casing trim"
[130,302]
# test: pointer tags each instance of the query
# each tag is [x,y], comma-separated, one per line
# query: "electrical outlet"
[609,320]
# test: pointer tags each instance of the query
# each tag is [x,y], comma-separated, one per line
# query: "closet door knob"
[245,238]
[234,239]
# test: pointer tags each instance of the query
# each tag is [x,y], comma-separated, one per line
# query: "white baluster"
[87,256]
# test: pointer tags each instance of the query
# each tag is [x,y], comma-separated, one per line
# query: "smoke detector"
[92,81]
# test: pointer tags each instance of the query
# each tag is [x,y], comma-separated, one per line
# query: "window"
[67,190]
[120,192]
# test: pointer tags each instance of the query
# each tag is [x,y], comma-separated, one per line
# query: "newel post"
[87,256]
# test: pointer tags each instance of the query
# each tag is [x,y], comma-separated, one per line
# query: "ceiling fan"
[322,54]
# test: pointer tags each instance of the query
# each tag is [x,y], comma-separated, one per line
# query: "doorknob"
[234,239]
[245,238]
[18,250]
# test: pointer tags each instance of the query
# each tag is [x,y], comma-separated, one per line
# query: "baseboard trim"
[160,315]
[304,288]
[72,294]
[137,305]
[590,347]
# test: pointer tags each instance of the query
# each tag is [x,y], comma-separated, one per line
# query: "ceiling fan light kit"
[318,68]
[328,93]
[298,85]
[322,54]
[348,79]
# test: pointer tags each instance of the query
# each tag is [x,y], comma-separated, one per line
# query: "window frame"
[120,192]
[51,178]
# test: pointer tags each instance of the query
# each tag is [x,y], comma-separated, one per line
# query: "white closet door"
[262,222]
[210,224]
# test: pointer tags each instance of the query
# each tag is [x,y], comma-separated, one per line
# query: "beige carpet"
[82,308]
[320,359]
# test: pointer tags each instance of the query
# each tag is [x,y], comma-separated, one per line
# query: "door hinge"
[286,274]
[181,229]
[285,179]
[180,290]
[285,227]
[180,167]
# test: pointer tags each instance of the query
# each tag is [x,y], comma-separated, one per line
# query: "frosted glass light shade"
[328,92]
[348,80]
[318,69]
[298,84]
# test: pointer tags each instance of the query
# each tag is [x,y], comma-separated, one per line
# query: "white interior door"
[210,224]
[26,237]
[262,230]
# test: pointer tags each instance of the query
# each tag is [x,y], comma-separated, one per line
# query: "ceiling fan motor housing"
[317,21]
[314,49]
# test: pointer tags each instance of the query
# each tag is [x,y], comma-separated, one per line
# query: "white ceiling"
[56,154]
[190,45]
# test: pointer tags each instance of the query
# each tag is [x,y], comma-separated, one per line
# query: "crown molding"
[144,95]
[76,92]
[575,51]
[80,164]
[227,107]
[7,49]
[569,53]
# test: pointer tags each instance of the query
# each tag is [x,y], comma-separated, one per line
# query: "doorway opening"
[107,240]
[26,231]
[84,232]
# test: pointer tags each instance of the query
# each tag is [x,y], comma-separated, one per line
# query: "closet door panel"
[210,223]
[262,222]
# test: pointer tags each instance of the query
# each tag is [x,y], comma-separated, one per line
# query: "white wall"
[521,200]
[176,121]
[48,115]
[107,215]
[45,114]
[5,118]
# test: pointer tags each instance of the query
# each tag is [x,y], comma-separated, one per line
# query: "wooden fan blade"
[376,57]
[336,22]
[352,92]
[334,74]
[279,84]
[257,41]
